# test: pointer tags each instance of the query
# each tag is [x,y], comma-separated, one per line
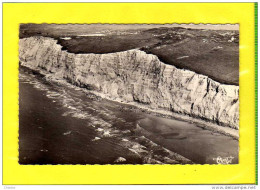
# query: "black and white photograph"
[128,94]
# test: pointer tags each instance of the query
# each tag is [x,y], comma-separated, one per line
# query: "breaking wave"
[104,117]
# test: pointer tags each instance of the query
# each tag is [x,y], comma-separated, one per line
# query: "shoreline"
[133,144]
[224,130]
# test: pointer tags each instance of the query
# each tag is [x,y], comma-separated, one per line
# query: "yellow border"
[16,13]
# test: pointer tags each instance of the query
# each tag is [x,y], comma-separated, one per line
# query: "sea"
[63,124]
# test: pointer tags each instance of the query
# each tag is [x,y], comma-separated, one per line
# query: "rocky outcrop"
[135,76]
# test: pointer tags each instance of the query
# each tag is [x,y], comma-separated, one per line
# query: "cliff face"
[134,76]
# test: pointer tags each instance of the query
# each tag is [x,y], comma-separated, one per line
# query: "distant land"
[212,50]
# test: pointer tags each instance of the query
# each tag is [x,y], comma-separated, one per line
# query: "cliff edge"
[135,76]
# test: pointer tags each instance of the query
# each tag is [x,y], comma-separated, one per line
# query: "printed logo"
[224,160]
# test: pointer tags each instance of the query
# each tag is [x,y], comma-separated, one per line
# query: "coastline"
[137,107]
[136,148]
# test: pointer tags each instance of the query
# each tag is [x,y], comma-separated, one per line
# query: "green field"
[214,53]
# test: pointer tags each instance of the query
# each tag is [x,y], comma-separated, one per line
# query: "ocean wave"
[102,120]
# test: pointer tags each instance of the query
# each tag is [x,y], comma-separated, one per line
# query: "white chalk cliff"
[135,76]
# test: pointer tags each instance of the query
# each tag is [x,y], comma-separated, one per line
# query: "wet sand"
[63,125]
[197,144]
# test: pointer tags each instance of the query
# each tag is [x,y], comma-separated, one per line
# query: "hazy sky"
[210,26]
[99,27]
[195,26]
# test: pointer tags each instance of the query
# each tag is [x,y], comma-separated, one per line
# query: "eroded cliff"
[134,76]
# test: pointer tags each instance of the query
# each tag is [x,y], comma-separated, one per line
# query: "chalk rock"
[120,159]
[135,76]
